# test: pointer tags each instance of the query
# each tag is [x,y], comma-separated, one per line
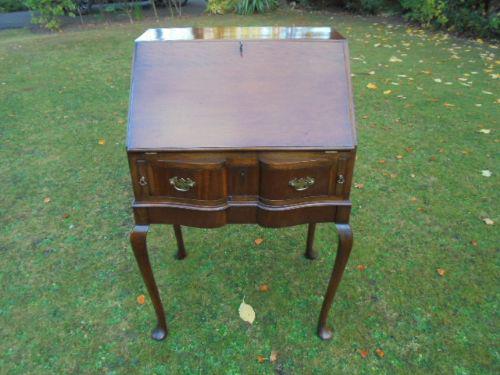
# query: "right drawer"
[289,176]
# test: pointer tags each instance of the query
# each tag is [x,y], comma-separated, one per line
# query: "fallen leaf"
[486,173]
[438,80]
[372,86]
[273,357]
[46,200]
[441,271]
[65,216]
[359,186]
[485,131]
[381,161]
[141,300]
[387,92]
[448,105]
[361,267]
[421,209]
[409,149]
[413,199]
[363,353]
[264,288]
[488,221]
[247,312]
[102,141]
[395,59]
[258,241]
[399,157]
[261,358]
[380,353]
[473,243]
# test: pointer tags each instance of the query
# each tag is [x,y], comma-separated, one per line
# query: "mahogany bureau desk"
[241,125]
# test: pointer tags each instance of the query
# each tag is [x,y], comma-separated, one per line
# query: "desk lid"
[241,88]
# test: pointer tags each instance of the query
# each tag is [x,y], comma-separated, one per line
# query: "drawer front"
[203,180]
[276,178]
[302,177]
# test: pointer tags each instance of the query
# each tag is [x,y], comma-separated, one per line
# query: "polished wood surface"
[232,94]
[239,33]
[264,135]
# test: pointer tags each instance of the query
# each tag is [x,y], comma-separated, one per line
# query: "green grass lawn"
[69,282]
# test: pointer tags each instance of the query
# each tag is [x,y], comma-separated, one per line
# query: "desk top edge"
[240,33]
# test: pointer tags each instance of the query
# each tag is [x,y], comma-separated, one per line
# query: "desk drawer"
[295,176]
[275,178]
[200,179]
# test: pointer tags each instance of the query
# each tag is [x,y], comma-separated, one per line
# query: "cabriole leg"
[343,252]
[181,250]
[138,241]
[310,253]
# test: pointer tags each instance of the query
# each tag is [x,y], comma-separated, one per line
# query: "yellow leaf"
[141,299]
[273,357]
[247,312]
[102,141]
[441,271]
[258,241]
[387,92]
[372,86]
[380,353]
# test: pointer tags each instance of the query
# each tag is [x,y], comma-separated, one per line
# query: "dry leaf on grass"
[488,221]
[372,86]
[258,241]
[441,271]
[361,267]
[102,141]
[380,353]
[261,358]
[486,173]
[485,131]
[46,200]
[359,185]
[141,300]
[247,312]
[273,357]
[264,288]
[363,353]
[387,92]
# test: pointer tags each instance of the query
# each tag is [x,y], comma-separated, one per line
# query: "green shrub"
[365,6]
[48,11]
[255,6]
[463,16]
[221,6]
[12,5]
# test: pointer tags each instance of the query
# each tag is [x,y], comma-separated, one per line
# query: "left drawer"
[179,177]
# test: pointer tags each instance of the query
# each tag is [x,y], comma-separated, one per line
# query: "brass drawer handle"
[142,181]
[181,184]
[302,183]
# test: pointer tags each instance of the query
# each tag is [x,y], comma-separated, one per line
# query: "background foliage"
[479,17]
[12,5]
[47,12]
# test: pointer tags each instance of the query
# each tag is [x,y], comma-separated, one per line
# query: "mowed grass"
[69,282]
